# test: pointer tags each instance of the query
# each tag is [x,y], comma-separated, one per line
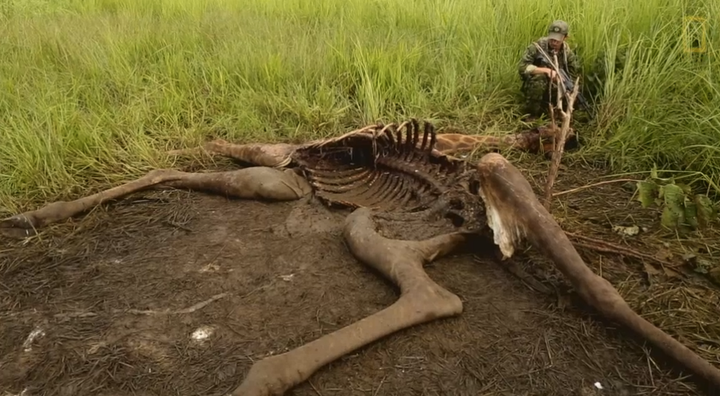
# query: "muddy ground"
[282,276]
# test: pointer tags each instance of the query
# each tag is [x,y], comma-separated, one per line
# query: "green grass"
[93,91]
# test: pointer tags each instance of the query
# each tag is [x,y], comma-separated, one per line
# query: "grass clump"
[93,91]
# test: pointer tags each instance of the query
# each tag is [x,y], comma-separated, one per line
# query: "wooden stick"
[560,143]
[573,190]
[608,247]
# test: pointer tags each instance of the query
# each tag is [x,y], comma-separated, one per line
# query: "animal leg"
[275,155]
[514,213]
[249,183]
[421,300]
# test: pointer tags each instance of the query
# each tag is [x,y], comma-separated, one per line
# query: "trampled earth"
[282,276]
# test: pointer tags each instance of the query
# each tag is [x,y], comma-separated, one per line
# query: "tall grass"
[93,91]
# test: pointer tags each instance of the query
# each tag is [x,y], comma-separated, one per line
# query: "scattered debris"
[703,266]
[650,269]
[202,333]
[600,245]
[27,345]
[23,393]
[714,275]
[200,305]
[627,231]
[210,267]
[194,308]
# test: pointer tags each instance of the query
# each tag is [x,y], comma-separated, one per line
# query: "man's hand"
[548,72]
[551,74]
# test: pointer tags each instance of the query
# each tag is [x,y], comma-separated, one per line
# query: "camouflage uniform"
[535,87]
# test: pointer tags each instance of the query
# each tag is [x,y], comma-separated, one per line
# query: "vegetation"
[681,208]
[94,91]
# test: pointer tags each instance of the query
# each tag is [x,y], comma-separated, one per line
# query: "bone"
[259,154]
[393,169]
[249,183]
[274,155]
[519,214]
[421,301]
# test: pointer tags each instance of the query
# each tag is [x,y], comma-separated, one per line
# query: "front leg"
[514,213]
[421,300]
[272,155]
[249,183]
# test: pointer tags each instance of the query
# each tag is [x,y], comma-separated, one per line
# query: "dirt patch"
[282,276]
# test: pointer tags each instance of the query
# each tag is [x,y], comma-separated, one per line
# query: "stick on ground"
[566,117]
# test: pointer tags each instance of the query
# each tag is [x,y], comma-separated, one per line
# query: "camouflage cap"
[558,30]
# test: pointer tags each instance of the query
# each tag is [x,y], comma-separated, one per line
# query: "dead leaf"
[627,231]
[703,266]
[651,270]
[563,301]
[672,273]
[663,254]
[714,275]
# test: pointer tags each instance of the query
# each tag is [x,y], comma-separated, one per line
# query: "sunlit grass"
[94,91]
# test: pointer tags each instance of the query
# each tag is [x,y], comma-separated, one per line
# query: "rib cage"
[385,167]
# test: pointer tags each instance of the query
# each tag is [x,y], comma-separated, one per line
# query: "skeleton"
[397,172]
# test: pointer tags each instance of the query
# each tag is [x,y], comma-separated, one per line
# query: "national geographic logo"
[695,35]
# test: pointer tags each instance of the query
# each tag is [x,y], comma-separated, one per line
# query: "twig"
[607,247]
[314,388]
[572,190]
[191,309]
[552,121]
[560,144]
[71,315]
[552,109]
[382,381]
[188,310]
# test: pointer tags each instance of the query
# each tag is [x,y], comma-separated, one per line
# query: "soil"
[287,278]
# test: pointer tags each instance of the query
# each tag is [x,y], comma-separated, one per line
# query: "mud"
[288,279]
